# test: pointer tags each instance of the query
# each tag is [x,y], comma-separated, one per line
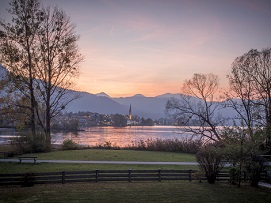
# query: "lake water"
[6,135]
[116,136]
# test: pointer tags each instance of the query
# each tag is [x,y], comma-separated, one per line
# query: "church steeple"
[130,112]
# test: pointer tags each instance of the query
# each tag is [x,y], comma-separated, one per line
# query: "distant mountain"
[102,94]
[138,95]
[147,107]
[152,107]
[168,95]
[94,103]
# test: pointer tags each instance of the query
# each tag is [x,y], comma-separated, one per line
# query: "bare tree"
[250,80]
[57,62]
[197,106]
[241,98]
[3,87]
[17,48]
[40,50]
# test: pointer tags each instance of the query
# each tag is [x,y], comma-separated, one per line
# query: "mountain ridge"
[149,107]
[143,106]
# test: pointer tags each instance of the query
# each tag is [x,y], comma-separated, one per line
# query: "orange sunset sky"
[151,46]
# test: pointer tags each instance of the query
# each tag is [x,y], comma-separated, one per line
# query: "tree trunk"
[48,128]
[33,124]
[211,178]
[268,126]
[48,106]
[32,96]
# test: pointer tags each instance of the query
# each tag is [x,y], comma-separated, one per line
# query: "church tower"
[130,113]
[129,121]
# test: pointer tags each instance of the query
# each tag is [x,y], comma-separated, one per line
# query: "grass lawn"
[116,155]
[55,167]
[174,191]
[150,191]
[99,155]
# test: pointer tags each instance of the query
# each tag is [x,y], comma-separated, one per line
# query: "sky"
[150,47]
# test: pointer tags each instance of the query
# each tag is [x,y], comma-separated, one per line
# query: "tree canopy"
[39,48]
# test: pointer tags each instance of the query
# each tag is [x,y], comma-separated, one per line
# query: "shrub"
[243,148]
[21,144]
[38,144]
[235,175]
[69,144]
[268,176]
[168,145]
[210,160]
[26,143]
[254,166]
[106,145]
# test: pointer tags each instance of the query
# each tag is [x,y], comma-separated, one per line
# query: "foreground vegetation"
[174,191]
[165,191]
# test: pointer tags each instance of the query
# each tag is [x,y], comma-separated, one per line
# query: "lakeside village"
[70,121]
[76,121]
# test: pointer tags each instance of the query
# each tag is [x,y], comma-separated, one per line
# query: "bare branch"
[196,106]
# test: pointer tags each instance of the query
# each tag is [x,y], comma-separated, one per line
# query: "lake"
[99,135]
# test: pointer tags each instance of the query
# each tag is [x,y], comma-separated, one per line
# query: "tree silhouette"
[197,106]
[40,49]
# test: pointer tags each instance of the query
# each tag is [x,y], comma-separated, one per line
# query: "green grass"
[54,167]
[150,191]
[99,155]
[116,155]
[174,191]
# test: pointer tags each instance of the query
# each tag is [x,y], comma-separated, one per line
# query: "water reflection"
[118,136]
[6,135]
[99,135]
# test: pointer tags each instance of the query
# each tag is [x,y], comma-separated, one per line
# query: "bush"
[69,144]
[210,160]
[243,149]
[235,176]
[26,143]
[254,166]
[38,144]
[268,176]
[168,145]
[106,145]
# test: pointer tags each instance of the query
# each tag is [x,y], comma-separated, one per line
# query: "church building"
[129,120]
